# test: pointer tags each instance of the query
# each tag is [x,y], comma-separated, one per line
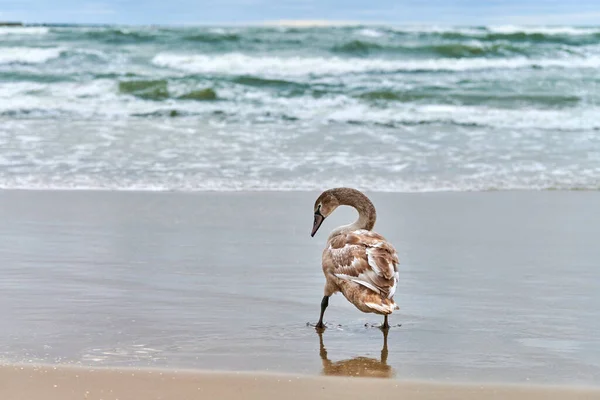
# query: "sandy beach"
[496,289]
[94,384]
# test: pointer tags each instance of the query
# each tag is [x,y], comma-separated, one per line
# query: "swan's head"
[325,204]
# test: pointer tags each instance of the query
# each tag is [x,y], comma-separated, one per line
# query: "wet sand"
[66,383]
[497,287]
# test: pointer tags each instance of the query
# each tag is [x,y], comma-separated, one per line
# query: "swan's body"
[357,262]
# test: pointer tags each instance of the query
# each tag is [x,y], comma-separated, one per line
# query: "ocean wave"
[515,34]
[107,99]
[500,29]
[34,76]
[373,33]
[158,90]
[27,30]
[537,38]
[241,64]
[357,47]
[448,50]
[488,99]
[459,50]
[481,116]
[115,35]
[150,90]
[199,95]
[544,30]
[29,55]
[162,114]
[36,113]
[213,37]
[256,81]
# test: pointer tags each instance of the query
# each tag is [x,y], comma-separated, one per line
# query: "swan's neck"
[365,208]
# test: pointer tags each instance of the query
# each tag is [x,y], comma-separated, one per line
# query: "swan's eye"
[318,210]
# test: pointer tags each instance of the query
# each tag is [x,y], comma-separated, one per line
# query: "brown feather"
[365,268]
[358,262]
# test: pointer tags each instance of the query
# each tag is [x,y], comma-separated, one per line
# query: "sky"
[193,12]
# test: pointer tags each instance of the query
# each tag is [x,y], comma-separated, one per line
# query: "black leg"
[385,324]
[324,304]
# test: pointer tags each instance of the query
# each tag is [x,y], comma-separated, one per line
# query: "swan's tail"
[387,306]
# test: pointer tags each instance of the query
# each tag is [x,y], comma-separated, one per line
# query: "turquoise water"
[227,108]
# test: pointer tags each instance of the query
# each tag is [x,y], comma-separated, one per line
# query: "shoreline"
[72,382]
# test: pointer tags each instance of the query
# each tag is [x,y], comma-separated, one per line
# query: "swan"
[359,263]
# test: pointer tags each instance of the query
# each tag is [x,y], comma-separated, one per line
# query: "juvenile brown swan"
[357,261]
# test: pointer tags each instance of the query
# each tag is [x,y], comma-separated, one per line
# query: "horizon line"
[289,23]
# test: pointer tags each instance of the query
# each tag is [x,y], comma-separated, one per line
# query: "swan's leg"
[385,324]
[324,304]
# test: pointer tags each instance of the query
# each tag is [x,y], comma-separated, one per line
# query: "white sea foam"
[239,64]
[569,119]
[101,99]
[370,33]
[341,108]
[176,154]
[433,29]
[29,55]
[500,29]
[543,30]
[28,30]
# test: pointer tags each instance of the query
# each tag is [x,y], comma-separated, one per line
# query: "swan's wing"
[366,258]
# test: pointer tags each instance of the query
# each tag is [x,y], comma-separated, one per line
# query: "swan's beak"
[318,221]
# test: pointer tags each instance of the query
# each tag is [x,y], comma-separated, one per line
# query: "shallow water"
[494,286]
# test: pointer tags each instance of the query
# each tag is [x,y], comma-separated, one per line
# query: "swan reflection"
[357,366]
